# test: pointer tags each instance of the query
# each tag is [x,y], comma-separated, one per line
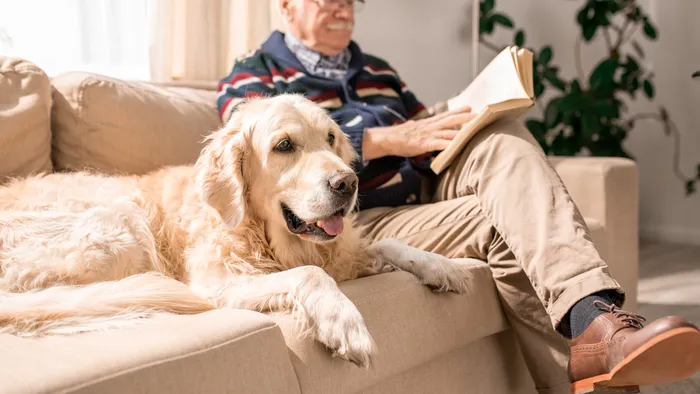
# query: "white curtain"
[100,36]
[196,40]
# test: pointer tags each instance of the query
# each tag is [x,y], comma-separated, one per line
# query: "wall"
[421,40]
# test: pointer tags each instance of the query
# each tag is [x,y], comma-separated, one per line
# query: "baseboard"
[680,235]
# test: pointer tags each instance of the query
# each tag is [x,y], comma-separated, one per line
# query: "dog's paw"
[346,335]
[439,273]
[433,270]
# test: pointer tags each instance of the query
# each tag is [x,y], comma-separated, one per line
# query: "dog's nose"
[344,183]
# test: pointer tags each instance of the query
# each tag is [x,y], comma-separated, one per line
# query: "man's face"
[322,25]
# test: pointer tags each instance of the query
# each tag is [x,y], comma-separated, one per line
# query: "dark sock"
[584,312]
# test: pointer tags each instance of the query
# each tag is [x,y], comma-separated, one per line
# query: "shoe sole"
[669,357]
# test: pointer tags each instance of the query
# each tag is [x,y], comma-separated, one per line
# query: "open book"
[503,89]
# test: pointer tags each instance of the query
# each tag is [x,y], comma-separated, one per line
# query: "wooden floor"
[669,284]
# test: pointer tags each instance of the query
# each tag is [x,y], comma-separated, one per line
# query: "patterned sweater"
[370,95]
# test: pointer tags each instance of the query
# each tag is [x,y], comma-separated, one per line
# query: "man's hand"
[414,137]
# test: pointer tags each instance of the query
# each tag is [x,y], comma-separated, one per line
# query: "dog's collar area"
[298,226]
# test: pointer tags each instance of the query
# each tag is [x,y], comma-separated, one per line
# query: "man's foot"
[616,350]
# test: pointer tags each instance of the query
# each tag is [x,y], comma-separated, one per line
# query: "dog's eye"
[284,146]
[331,138]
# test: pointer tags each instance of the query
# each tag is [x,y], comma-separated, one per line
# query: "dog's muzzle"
[325,228]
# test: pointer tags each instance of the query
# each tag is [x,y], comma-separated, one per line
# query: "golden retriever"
[261,221]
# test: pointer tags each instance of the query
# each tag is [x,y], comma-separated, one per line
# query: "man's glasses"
[334,5]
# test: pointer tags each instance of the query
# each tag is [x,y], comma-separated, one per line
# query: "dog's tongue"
[332,226]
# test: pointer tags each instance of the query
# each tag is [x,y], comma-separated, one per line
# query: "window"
[109,37]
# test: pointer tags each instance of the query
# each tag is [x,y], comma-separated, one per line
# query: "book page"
[524,60]
[497,82]
[512,109]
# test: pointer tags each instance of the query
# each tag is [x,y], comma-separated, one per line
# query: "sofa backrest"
[25,108]
[125,127]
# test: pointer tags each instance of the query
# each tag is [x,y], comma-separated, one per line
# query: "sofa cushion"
[25,109]
[220,351]
[410,325]
[116,126]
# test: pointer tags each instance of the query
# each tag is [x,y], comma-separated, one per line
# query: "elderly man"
[500,202]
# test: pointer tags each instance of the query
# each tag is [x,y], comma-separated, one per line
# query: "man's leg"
[459,228]
[530,208]
[527,203]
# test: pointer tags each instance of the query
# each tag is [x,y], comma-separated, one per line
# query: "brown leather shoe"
[616,350]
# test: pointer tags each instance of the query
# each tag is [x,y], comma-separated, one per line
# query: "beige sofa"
[427,343]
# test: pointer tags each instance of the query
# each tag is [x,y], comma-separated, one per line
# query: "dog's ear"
[219,175]
[345,149]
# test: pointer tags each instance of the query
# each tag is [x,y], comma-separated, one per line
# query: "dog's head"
[284,161]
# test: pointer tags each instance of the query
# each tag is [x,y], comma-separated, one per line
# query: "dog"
[263,220]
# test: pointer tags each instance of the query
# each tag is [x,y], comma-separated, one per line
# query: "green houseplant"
[587,113]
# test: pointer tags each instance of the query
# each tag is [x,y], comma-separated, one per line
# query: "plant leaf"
[502,19]
[487,5]
[589,32]
[575,87]
[559,147]
[545,55]
[538,89]
[589,125]
[552,114]
[614,7]
[537,129]
[696,74]
[603,74]
[637,15]
[604,107]
[648,88]
[520,38]
[486,25]
[635,86]
[649,29]
[690,187]
[631,65]
[572,102]
[698,175]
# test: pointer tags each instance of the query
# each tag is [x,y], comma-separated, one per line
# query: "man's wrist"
[372,147]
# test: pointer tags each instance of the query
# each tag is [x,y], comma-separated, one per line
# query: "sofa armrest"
[216,351]
[606,189]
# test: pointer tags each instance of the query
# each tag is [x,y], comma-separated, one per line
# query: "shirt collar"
[313,59]
[275,45]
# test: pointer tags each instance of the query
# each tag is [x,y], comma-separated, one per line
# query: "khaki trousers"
[502,202]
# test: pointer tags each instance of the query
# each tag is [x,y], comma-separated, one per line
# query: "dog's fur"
[82,251]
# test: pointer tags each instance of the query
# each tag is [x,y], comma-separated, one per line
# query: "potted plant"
[587,114]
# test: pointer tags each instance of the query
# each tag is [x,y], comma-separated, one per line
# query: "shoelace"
[630,319]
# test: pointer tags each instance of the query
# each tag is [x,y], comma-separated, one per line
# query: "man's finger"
[438,144]
[442,115]
[465,108]
[445,134]
[456,120]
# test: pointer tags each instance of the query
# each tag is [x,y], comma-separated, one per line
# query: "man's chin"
[341,41]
